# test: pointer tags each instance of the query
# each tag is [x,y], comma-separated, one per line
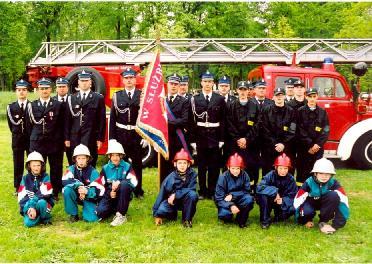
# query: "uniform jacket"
[125,112]
[88,177]
[278,125]
[213,112]
[266,102]
[46,126]
[122,172]
[173,183]
[18,125]
[180,110]
[32,189]
[314,189]
[296,104]
[273,184]
[242,121]
[93,125]
[312,127]
[229,184]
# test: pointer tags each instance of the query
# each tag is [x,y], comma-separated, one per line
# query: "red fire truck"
[349,113]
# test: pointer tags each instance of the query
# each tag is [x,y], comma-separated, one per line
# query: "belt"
[127,127]
[208,124]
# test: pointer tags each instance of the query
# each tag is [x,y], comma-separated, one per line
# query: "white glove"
[220,144]
[193,146]
[144,143]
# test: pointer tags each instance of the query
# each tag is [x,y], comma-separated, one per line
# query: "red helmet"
[235,161]
[182,155]
[283,160]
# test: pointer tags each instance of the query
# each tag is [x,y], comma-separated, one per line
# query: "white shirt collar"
[60,98]
[130,90]
[84,92]
[209,94]
[42,101]
[24,103]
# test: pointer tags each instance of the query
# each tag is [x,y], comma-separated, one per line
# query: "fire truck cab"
[350,115]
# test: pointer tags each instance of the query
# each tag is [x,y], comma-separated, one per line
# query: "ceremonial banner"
[152,122]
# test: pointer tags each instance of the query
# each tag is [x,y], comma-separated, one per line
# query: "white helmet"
[114,147]
[81,150]
[324,165]
[34,156]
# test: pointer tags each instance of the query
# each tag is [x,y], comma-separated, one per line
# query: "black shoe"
[265,226]
[242,225]
[73,218]
[187,224]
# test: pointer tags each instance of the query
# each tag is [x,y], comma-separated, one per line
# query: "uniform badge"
[16,116]
[250,123]
[285,128]
[318,129]
[77,106]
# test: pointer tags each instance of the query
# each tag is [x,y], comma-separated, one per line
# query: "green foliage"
[139,240]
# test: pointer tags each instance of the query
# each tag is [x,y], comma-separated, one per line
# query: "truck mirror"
[360,68]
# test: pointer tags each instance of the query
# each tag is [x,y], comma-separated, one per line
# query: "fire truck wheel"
[362,151]
[148,156]
[98,82]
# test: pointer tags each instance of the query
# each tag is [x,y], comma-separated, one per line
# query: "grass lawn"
[139,240]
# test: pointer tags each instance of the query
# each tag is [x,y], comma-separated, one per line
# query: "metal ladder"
[200,51]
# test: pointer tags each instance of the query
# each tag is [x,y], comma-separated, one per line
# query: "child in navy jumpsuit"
[232,195]
[277,190]
[177,192]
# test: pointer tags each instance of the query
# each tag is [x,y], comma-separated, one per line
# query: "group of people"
[249,131]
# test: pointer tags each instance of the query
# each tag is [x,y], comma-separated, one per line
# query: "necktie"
[261,101]
[63,99]
[22,109]
[45,104]
[129,95]
[83,97]
[207,98]
[171,98]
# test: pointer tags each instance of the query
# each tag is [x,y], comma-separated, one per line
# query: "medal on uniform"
[51,115]
[318,129]
[285,128]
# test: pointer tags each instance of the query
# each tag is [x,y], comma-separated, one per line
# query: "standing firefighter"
[312,134]
[278,129]
[232,195]
[46,122]
[120,182]
[207,136]
[35,194]
[123,116]
[242,125]
[183,89]
[17,116]
[85,117]
[177,192]
[82,185]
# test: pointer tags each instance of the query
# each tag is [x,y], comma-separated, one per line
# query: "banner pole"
[159,168]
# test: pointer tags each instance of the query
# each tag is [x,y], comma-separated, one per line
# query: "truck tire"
[362,151]
[98,82]
[148,156]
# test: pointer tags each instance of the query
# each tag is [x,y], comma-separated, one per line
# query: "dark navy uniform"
[85,121]
[207,131]
[46,124]
[123,117]
[243,122]
[271,185]
[278,126]
[312,128]
[296,104]
[239,188]
[20,137]
[180,110]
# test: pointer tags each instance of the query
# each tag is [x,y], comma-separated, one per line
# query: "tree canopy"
[24,25]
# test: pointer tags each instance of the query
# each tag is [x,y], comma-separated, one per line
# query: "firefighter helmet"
[235,161]
[324,165]
[34,156]
[182,155]
[81,150]
[283,160]
[114,147]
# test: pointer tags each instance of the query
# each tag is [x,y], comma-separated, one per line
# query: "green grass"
[140,240]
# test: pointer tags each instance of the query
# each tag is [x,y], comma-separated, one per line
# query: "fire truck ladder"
[196,51]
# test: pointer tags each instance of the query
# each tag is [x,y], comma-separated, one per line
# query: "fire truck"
[349,110]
